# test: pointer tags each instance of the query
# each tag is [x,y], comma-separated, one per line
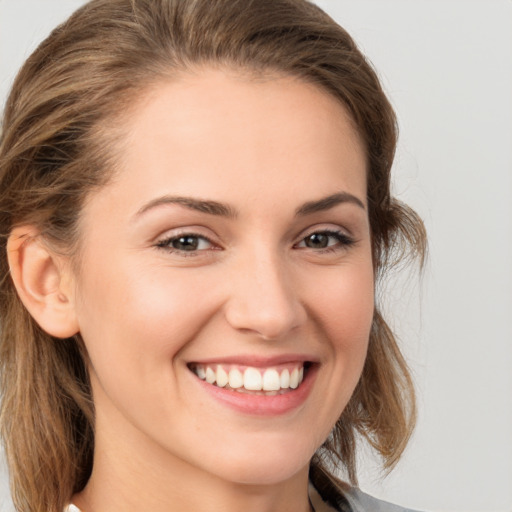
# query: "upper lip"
[258,361]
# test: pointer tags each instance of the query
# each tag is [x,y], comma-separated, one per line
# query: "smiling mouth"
[247,379]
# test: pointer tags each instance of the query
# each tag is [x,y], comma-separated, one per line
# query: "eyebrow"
[327,203]
[200,205]
[224,210]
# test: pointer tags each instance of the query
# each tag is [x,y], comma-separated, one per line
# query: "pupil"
[185,243]
[317,241]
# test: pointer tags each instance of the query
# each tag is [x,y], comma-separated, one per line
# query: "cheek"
[345,307]
[137,317]
[134,323]
[344,312]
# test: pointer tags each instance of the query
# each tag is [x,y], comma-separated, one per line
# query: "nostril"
[268,324]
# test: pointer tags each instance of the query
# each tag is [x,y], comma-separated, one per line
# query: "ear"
[43,281]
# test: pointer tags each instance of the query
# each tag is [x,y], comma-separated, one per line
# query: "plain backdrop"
[447,66]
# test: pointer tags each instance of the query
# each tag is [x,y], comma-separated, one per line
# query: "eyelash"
[343,241]
[165,244]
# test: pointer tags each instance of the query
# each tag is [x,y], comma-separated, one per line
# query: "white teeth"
[222,377]
[294,379]
[271,381]
[285,379]
[236,379]
[252,379]
[210,375]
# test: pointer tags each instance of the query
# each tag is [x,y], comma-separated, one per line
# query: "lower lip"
[263,405]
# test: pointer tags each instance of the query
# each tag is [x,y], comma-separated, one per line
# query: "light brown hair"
[57,147]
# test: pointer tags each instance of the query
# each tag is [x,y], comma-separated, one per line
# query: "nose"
[264,300]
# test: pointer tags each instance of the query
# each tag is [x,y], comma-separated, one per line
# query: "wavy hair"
[56,147]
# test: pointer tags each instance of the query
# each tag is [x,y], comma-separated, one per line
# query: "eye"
[330,240]
[188,242]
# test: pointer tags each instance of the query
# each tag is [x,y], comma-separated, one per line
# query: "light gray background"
[447,68]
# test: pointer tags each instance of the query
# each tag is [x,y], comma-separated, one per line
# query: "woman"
[195,209]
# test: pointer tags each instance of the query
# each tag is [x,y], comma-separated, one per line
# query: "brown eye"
[317,241]
[330,240]
[185,243]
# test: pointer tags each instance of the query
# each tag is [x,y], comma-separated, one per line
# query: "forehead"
[227,97]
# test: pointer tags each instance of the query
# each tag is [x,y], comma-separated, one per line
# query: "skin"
[255,286]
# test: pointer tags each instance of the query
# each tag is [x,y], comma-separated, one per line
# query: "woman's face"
[229,258]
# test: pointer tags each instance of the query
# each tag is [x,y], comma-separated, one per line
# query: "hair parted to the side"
[59,144]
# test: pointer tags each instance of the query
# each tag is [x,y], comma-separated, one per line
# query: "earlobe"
[42,281]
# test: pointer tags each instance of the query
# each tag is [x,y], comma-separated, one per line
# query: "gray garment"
[356,500]
[361,502]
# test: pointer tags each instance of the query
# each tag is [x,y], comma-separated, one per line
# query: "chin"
[274,473]
[258,466]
